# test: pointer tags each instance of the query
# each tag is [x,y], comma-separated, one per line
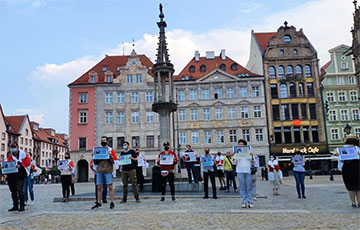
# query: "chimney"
[223,56]
[210,55]
[197,55]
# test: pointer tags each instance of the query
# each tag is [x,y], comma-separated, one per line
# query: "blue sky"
[46,44]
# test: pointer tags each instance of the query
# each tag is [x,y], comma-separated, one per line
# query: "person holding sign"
[167,160]
[189,157]
[104,170]
[16,178]
[219,159]
[229,172]
[274,174]
[104,193]
[29,182]
[299,172]
[66,168]
[139,169]
[128,162]
[207,162]
[351,167]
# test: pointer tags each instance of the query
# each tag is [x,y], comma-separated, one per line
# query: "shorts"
[220,174]
[100,177]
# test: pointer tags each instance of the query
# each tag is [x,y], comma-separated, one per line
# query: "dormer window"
[287,39]
[108,78]
[203,68]
[93,79]
[223,67]
[104,69]
[234,67]
[192,69]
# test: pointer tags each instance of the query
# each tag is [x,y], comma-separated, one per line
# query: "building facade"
[340,94]
[4,137]
[356,41]
[294,106]
[19,131]
[220,102]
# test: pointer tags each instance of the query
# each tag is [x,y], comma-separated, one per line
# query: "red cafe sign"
[304,150]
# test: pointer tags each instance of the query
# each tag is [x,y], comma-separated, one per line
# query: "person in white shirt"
[189,157]
[139,169]
[219,159]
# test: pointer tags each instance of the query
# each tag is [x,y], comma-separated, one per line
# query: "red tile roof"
[211,64]
[264,37]
[42,135]
[323,70]
[15,122]
[111,63]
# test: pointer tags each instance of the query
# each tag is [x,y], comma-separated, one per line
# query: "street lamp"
[347,129]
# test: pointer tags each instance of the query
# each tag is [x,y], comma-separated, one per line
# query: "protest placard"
[348,153]
[101,153]
[124,159]
[207,161]
[166,160]
[9,167]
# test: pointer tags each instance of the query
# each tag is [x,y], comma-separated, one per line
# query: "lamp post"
[347,129]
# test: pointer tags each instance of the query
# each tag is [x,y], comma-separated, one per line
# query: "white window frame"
[181,95]
[205,94]
[150,117]
[330,96]
[82,116]
[246,134]
[332,115]
[230,92]
[182,115]
[356,114]
[182,138]
[206,114]
[342,96]
[82,98]
[259,135]
[232,113]
[149,96]
[108,117]
[135,117]
[340,80]
[357,131]
[207,137]
[129,78]
[120,117]
[353,96]
[195,137]
[257,111]
[121,97]
[344,113]
[138,78]
[194,113]
[219,92]
[352,80]
[244,112]
[219,114]
[135,97]
[108,98]
[243,92]
[332,134]
[255,91]
[193,94]
[220,136]
[233,135]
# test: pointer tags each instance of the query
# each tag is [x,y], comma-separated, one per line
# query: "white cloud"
[251,7]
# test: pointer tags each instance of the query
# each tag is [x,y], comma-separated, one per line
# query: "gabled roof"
[44,136]
[111,63]
[211,64]
[15,123]
[263,38]
[323,70]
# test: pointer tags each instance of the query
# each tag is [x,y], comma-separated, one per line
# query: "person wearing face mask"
[274,174]
[16,180]
[129,172]
[189,157]
[167,171]
[29,182]
[66,177]
[208,171]
[299,172]
[229,172]
[139,169]
[219,159]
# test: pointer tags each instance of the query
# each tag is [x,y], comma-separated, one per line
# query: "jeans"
[206,183]
[299,178]
[125,176]
[65,183]
[28,183]
[170,177]
[104,192]
[230,176]
[245,184]
[190,167]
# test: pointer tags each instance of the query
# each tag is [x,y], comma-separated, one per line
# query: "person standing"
[262,173]
[351,171]
[104,170]
[29,182]
[299,172]
[72,184]
[16,180]
[219,159]
[253,175]
[189,157]
[139,169]
[208,171]
[129,172]
[274,174]
[167,171]
[229,172]
[243,170]
[66,177]
[104,193]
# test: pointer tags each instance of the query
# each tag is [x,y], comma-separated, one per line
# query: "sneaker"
[162,199]
[97,205]
[21,209]
[31,202]
[243,205]
[353,205]
[205,197]
[137,200]
[112,205]
[123,201]
[251,205]
[254,198]
[105,201]
[173,198]
[13,209]
[302,197]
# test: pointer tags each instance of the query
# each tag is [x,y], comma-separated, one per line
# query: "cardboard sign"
[63,165]
[166,160]
[298,161]
[348,153]
[207,161]
[124,159]
[9,167]
[241,152]
[257,162]
[101,153]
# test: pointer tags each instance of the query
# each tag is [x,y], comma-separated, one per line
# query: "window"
[243,91]
[315,134]
[223,67]
[257,111]
[332,115]
[301,89]
[292,87]
[195,137]
[340,80]
[108,117]
[2,147]
[104,69]
[207,136]
[312,108]
[150,141]
[342,96]
[220,136]
[353,96]
[330,97]
[181,95]
[287,39]
[290,70]
[230,93]
[82,117]
[297,137]
[344,65]
[282,52]
[351,80]
[334,134]
[21,140]
[356,115]
[219,113]
[283,91]
[344,115]
[285,112]
[205,94]
[83,98]
[129,78]
[357,132]
[135,117]
[194,114]
[276,112]
[274,91]
[121,97]
[134,97]
[272,72]
[110,142]
[294,111]
[149,96]
[206,114]
[281,71]
[181,115]
[108,78]
[120,117]
[255,91]
[295,52]
[278,138]
[192,69]
[26,142]
[303,111]
[234,67]
[203,68]
[150,117]
[298,70]
[308,71]
[246,134]
[138,78]
[233,135]
[218,93]
[232,112]
[182,138]
[287,135]
[259,135]
[2,136]
[135,141]
[244,112]
[82,143]
[193,95]
[108,98]
[93,79]
[310,89]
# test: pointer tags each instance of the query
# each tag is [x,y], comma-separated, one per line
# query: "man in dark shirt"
[129,171]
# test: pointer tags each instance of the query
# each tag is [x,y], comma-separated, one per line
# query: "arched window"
[308,71]
[295,52]
[281,71]
[234,67]
[272,72]
[282,52]
[203,68]
[192,69]
[223,67]
[301,89]
[290,70]
[287,39]
[283,91]
[292,87]
[298,70]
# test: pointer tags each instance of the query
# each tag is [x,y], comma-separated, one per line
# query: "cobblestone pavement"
[327,207]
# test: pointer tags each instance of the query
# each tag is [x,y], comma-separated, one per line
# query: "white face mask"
[272,158]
